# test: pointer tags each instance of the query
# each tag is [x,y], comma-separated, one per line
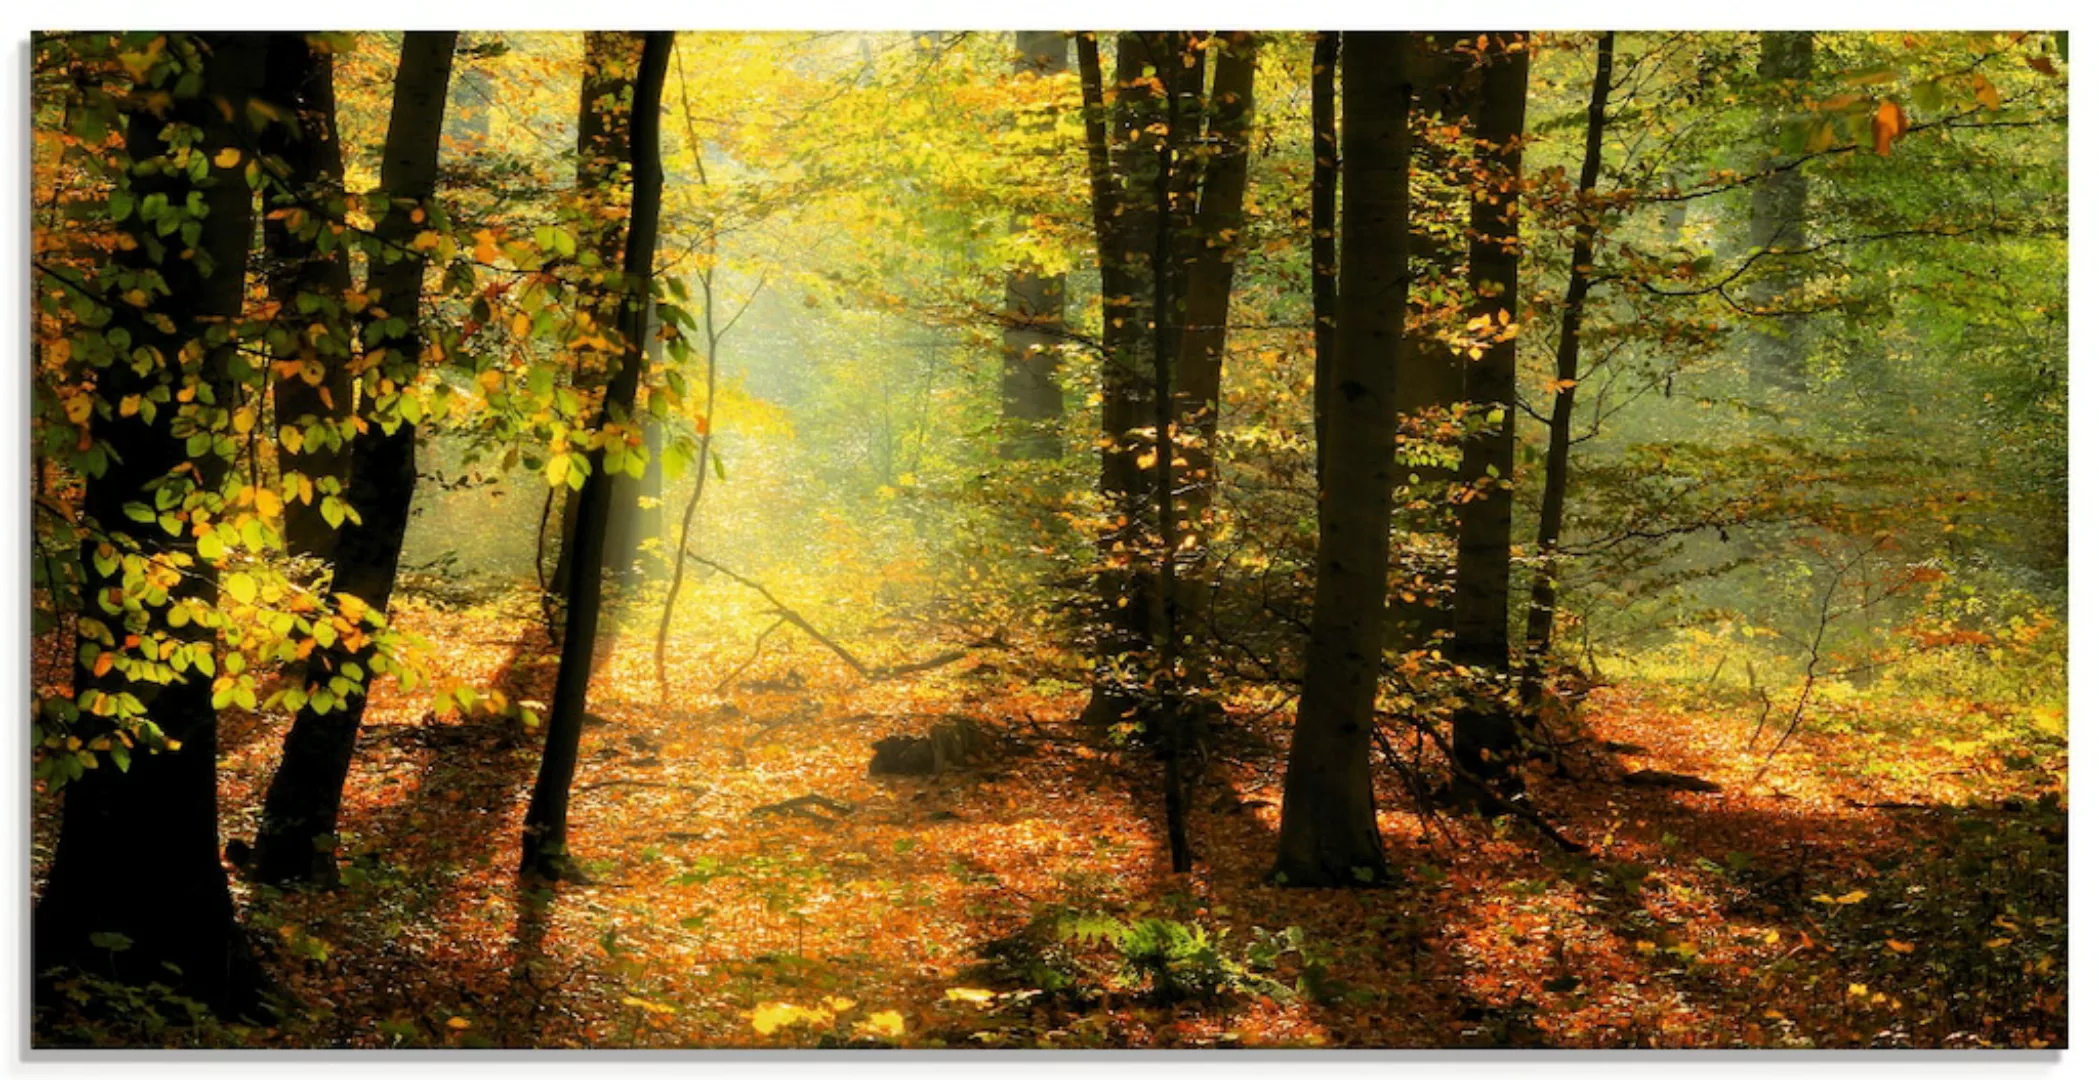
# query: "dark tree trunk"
[1326,159]
[1446,78]
[316,397]
[1031,400]
[1778,222]
[138,847]
[1552,509]
[1126,220]
[638,501]
[545,854]
[1484,736]
[1329,829]
[296,841]
[603,111]
[1220,218]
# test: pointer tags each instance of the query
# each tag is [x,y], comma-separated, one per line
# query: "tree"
[1329,830]
[295,843]
[1778,222]
[545,854]
[312,391]
[1559,439]
[1213,250]
[1484,735]
[1125,222]
[1031,399]
[136,889]
[1326,55]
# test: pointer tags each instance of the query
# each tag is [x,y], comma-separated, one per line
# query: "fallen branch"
[790,616]
[806,806]
[1501,802]
[631,782]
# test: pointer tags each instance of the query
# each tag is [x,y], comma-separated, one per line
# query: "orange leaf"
[1888,125]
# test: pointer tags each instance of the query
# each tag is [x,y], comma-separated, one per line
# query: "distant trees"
[1030,397]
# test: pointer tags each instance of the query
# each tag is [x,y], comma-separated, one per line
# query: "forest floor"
[1885,885]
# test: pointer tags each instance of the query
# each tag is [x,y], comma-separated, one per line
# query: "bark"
[545,854]
[638,501]
[1447,81]
[1219,219]
[603,117]
[138,847]
[314,395]
[1484,736]
[1125,222]
[1326,54]
[1777,221]
[1329,830]
[1031,400]
[295,843]
[1567,372]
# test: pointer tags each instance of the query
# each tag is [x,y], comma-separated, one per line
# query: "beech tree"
[136,889]
[545,854]
[296,840]
[1329,832]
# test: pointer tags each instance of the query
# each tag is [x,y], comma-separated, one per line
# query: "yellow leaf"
[971,995]
[1902,946]
[267,503]
[650,1006]
[1996,943]
[886,1024]
[459,1023]
[227,158]
[1858,989]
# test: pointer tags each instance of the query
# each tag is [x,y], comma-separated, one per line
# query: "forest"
[1048,539]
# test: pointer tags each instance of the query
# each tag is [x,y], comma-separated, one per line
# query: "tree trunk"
[1537,637]
[312,386]
[1031,400]
[638,501]
[1329,831]
[545,854]
[138,847]
[1220,218]
[296,841]
[1326,157]
[604,111]
[1446,78]
[1484,736]
[1778,222]
[1125,221]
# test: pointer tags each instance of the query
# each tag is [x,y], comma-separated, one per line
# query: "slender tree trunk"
[1326,160]
[638,500]
[1329,829]
[1552,508]
[1484,735]
[1031,400]
[1446,78]
[1126,219]
[312,388]
[604,112]
[545,854]
[1778,221]
[1168,292]
[138,847]
[1220,218]
[296,841]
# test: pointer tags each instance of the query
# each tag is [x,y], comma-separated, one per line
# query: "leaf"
[227,158]
[1902,946]
[887,1024]
[1889,122]
[241,587]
